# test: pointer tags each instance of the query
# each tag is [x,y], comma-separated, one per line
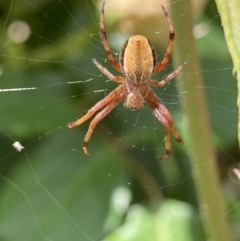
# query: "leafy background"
[51,190]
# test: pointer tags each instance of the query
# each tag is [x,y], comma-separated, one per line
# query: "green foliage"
[173,220]
[51,190]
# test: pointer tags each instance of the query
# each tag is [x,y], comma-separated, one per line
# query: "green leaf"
[172,221]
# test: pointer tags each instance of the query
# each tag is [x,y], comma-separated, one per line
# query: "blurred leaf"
[178,221]
[53,197]
[173,221]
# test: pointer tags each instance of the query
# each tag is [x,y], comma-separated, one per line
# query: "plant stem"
[229,12]
[201,151]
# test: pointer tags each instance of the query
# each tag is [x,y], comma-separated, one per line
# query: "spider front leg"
[160,66]
[107,109]
[110,57]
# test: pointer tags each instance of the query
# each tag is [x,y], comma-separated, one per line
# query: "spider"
[137,63]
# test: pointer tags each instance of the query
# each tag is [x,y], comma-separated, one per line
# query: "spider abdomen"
[137,59]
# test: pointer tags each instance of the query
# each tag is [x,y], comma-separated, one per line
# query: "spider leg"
[98,106]
[166,57]
[107,109]
[110,57]
[107,73]
[167,145]
[168,77]
[164,116]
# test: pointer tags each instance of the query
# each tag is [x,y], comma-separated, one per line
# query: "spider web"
[49,189]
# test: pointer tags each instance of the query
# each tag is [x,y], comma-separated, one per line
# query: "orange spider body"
[137,62]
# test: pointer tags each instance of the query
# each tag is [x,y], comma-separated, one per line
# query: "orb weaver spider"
[137,63]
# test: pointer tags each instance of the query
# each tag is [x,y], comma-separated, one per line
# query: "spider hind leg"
[165,118]
[98,106]
[100,115]
[167,145]
[177,136]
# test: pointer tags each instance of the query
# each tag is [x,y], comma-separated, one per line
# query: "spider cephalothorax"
[137,62]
